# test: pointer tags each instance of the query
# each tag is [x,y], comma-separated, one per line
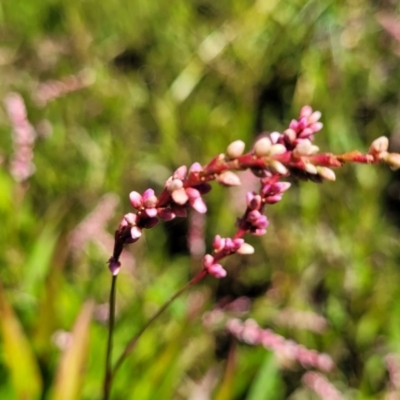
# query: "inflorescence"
[273,157]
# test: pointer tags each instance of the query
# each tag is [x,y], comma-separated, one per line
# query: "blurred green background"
[168,83]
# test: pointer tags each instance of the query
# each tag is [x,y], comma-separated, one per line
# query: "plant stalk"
[108,377]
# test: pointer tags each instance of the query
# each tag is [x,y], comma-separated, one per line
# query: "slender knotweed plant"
[272,158]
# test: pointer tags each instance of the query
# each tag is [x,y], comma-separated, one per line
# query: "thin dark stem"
[111,319]
[132,343]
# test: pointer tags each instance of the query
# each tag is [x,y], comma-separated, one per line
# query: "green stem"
[108,377]
[132,343]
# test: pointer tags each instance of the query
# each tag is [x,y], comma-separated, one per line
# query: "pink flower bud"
[290,134]
[149,198]
[253,201]
[217,271]
[180,173]
[136,199]
[275,136]
[314,117]
[306,112]
[195,167]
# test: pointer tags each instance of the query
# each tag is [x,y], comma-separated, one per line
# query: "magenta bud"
[218,243]
[276,198]
[217,271]
[114,266]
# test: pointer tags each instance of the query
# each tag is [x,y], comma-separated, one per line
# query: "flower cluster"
[286,350]
[24,136]
[321,386]
[53,89]
[272,157]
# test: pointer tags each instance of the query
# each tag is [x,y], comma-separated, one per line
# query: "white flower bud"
[278,167]
[310,168]
[245,248]
[393,160]
[277,149]
[235,149]
[379,145]
[262,147]
[326,173]
[228,178]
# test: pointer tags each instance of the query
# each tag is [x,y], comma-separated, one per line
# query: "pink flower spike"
[136,199]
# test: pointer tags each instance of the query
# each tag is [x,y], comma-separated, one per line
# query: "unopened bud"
[245,248]
[314,117]
[326,173]
[179,196]
[290,134]
[278,167]
[176,184]
[262,147]
[310,168]
[393,160]
[379,145]
[235,149]
[277,149]
[228,178]
[305,148]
